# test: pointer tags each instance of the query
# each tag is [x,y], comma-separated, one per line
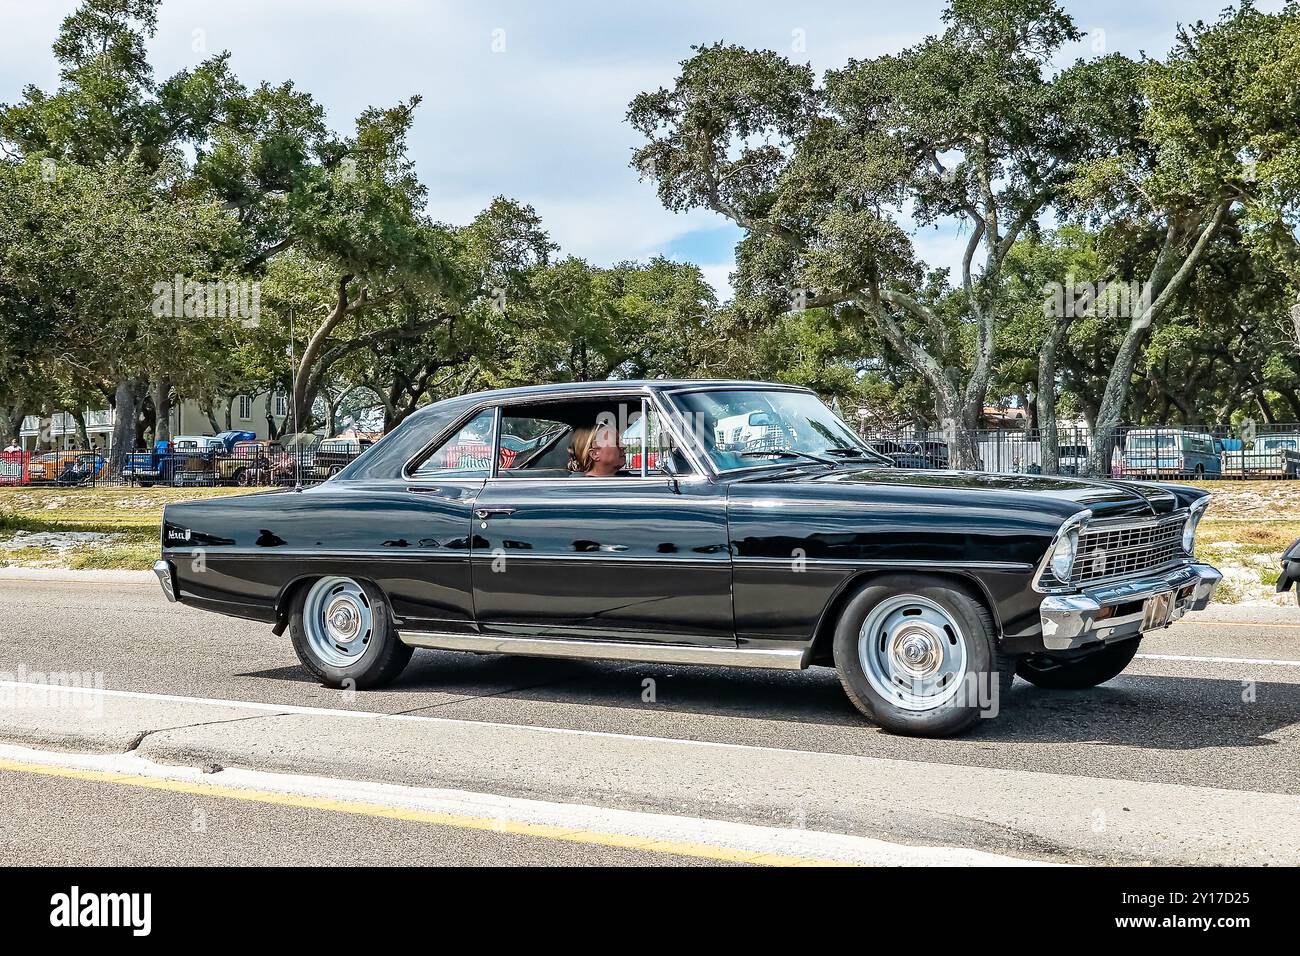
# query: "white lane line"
[1218,660]
[661,833]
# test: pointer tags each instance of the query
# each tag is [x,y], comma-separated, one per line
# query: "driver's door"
[636,558]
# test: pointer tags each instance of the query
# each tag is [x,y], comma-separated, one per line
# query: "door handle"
[484,513]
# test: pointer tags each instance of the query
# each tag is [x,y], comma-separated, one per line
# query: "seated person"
[596,452]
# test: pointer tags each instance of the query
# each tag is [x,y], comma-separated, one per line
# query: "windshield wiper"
[787,453]
[854,453]
[850,454]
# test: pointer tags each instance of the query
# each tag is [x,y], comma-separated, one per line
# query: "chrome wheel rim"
[338,620]
[912,652]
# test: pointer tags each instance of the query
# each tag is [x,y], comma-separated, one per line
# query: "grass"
[131,515]
[1247,527]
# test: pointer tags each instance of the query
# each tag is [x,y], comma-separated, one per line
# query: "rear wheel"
[342,631]
[1080,672]
[919,656]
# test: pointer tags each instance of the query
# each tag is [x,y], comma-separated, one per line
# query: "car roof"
[604,386]
[634,384]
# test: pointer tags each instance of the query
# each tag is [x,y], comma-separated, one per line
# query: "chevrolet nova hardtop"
[785,543]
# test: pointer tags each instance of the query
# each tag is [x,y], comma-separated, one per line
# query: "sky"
[528,100]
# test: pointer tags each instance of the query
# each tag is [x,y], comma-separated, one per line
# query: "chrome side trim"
[851,563]
[782,658]
[286,554]
[722,561]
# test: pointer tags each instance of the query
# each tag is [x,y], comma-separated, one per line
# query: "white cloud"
[719,276]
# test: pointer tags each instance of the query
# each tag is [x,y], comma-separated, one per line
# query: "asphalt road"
[122,826]
[1203,755]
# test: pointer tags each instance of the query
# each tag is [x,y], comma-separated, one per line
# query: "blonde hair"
[580,449]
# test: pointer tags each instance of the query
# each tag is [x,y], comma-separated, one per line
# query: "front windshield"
[744,428]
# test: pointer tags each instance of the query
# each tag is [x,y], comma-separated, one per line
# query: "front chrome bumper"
[1125,609]
[166,577]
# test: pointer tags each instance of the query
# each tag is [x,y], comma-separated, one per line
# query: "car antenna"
[293,403]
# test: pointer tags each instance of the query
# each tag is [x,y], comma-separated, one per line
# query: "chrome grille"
[1122,552]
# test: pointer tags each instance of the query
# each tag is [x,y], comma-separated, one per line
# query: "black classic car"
[748,526]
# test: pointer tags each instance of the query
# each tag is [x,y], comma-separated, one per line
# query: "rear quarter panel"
[237,555]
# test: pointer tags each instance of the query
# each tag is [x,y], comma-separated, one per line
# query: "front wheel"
[1081,672]
[342,632]
[919,656]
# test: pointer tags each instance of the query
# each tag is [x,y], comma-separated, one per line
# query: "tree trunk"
[1262,404]
[126,402]
[1113,400]
[162,410]
[958,421]
[1171,271]
[83,437]
[1048,440]
[11,422]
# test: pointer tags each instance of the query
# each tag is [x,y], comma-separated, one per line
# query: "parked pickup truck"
[148,468]
[196,456]
[1271,456]
[334,454]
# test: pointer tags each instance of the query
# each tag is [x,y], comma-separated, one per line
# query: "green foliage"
[829,178]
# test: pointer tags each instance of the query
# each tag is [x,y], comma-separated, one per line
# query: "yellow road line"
[462,821]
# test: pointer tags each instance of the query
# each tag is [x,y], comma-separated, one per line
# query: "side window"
[531,443]
[466,454]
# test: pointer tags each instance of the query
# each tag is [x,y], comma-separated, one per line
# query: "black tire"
[993,670]
[1080,673]
[240,478]
[382,660]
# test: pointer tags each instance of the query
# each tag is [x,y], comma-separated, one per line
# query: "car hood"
[1103,497]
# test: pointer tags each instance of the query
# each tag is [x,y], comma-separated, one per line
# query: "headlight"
[1189,526]
[1063,555]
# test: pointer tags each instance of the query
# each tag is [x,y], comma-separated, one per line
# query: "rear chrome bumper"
[1125,609]
[166,577]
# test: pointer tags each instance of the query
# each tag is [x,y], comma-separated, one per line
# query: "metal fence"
[262,464]
[1136,451]
[1263,451]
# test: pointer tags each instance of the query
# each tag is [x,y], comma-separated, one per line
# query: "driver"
[596,452]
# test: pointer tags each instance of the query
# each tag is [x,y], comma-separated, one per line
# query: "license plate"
[1155,613]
